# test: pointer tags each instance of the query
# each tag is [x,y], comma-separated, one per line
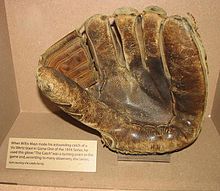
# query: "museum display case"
[27,29]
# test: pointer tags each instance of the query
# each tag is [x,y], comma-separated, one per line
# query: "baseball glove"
[140,79]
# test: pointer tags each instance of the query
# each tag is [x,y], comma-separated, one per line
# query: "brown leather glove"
[137,78]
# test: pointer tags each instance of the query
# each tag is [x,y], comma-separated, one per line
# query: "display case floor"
[194,168]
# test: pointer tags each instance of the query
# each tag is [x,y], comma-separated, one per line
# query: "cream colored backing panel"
[9,106]
[216,106]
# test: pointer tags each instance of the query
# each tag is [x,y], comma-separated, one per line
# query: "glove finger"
[185,61]
[152,18]
[102,45]
[185,65]
[127,22]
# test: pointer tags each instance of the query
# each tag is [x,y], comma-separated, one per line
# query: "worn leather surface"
[137,78]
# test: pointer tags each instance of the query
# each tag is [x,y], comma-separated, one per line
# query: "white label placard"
[52,154]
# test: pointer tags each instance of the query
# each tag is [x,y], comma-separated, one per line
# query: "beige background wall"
[35,25]
[9,105]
